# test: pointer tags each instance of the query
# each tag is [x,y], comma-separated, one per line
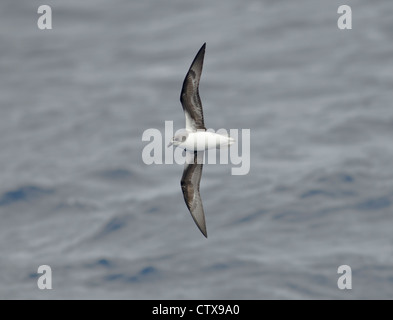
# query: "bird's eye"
[183,138]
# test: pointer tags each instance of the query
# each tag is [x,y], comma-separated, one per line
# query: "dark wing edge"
[189,96]
[190,182]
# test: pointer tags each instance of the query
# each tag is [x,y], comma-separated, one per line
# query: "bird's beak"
[170,143]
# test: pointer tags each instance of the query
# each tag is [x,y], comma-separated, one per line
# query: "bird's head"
[179,137]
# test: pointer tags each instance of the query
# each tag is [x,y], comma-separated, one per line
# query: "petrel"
[194,139]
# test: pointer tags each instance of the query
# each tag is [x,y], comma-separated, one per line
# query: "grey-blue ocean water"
[76,195]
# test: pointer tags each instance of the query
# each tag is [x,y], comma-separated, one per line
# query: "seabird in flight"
[195,140]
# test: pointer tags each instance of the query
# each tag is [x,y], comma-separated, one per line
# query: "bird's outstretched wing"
[190,186]
[189,96]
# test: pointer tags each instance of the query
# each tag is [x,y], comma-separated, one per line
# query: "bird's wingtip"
[201,226]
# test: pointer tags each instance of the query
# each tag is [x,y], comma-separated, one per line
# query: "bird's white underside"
[203,140]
